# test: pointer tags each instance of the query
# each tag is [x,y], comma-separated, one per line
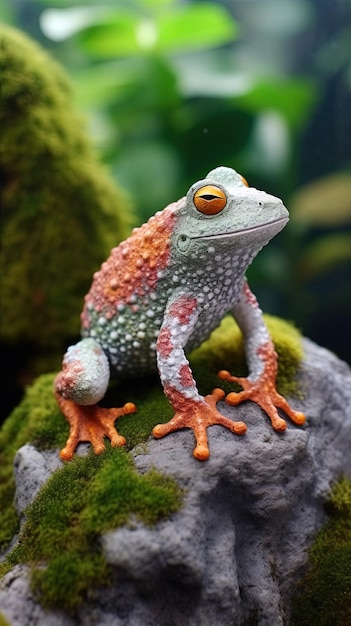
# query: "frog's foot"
[264,393]
[198,415]
[91,423]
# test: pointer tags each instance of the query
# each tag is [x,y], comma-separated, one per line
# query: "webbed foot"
[197,415]
[263,392]
[91,423]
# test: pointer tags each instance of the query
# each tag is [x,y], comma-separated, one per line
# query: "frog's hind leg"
[81,384]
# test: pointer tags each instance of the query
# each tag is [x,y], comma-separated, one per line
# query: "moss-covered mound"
[66,538]
[324,596]
[79,502]
[61,212]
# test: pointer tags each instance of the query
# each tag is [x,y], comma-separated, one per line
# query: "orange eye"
[244,181]
[210,200]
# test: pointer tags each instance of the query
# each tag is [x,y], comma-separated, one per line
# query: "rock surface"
[232,555]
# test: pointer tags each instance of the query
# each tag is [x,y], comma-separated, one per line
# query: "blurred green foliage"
[172,89]
[53,189]
[165,96]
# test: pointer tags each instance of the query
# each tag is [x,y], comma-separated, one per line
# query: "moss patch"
[3,621]
[324,595]
[38,420]
[80,501]
[225,350]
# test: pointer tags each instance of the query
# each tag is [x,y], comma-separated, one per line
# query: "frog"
[158,296]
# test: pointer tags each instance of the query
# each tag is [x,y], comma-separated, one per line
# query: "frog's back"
[124,307]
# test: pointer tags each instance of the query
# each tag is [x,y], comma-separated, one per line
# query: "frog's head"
[222,209]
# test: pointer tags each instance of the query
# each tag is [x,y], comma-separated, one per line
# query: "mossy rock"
[66,538]
[62,213]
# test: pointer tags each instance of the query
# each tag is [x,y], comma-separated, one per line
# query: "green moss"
[102,492]
[80,501]
[324,595]
[61,212]
[38,420]
[3,621]
[225,350]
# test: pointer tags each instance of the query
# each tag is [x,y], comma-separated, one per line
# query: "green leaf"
[293,98]
[151,172]
[155,3]
[116,35]
[7,12]
[194,27]
[99,84]
[127,32]
[69,3]
[324,202]
[324,254]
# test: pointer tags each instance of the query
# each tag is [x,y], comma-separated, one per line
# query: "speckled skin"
[159,295]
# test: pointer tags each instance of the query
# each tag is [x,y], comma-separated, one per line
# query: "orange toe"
[93,424]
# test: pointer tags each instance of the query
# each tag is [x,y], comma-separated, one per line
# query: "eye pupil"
[210,200]
[208,196]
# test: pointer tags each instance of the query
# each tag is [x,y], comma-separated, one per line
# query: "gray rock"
[232,555]
[32,469]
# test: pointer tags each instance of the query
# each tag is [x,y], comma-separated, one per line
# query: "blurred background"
[172,88]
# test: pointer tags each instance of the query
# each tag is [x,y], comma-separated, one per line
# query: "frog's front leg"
[260,386]
[81,384]
[191,409]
